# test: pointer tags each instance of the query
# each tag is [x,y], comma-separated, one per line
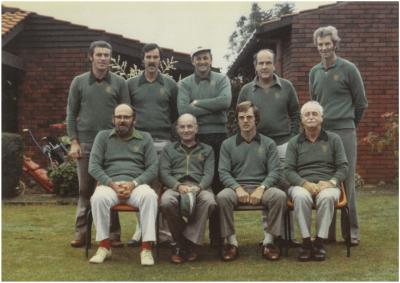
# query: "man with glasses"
[123,161]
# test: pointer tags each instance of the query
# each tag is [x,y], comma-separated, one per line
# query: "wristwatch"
[263,187]
[334,182]
[135,183]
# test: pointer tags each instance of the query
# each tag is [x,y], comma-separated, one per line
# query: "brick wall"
[369,33]
[44,90]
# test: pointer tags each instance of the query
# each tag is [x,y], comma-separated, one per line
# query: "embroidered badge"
[324,147]
[162,91]
[108,89]
[261,151]
[200,157]
[213,83]
[136,148]
[336,77]
[277,94]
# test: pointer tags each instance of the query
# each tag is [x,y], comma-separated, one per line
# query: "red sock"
[106,243]
[145,246]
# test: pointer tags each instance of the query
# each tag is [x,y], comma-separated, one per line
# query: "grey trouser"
[349,139]
[142,197]
[282,154]
[194,229]
[87,184]
[325,204]
[164,232]
[274,200]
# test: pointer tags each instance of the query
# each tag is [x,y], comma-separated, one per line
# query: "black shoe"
[305,254]
[168,244]
[178,255]
[133,243]
[318,253]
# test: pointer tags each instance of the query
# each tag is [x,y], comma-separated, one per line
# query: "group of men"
[121,137]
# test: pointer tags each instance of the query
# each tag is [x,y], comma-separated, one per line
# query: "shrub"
[65,179]
[12,156]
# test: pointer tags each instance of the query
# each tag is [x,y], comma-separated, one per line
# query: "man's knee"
[168,203]
[224,197]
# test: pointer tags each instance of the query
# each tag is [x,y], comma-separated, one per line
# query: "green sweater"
[340,90]
[279,108]
[213,96]
[116,159]
[179,163]
[155,104]
[323,160]
[253,163]
[91,104]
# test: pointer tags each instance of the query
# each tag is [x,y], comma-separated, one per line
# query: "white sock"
[232,240]
[268,238]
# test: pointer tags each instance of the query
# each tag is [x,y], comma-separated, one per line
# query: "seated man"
[187,168]
[123,161]
[249,168]
[315,165]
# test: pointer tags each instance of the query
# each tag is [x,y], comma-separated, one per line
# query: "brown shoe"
[271,252]
[192,256]
[176,256]
[231,252]
[77,243]
[116,244]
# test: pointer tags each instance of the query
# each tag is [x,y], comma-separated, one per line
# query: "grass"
[36,248]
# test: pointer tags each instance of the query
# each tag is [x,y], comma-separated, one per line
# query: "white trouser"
[325,203]
[142,197]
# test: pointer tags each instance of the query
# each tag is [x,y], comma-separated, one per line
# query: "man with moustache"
[207,95]
[91,101]
[315,165]
[249,168]
[154,97]
[187,169]
[123,161]
[278,103]
[337,85]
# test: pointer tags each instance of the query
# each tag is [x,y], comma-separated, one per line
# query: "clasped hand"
[254,198]
[123,189]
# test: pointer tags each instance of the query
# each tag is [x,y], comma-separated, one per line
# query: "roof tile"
[10,20]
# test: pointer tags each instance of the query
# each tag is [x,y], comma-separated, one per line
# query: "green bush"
[12,157]
[65,179]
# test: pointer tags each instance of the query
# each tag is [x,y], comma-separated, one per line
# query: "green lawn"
[35,247]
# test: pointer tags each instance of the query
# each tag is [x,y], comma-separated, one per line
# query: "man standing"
[123,161]
[249,169]
[278,103]
[187,169]
[91,101]
[154,97]
[315,165]
[207,96]
[337,85]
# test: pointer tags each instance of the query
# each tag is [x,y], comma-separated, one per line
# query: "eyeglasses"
[123,117]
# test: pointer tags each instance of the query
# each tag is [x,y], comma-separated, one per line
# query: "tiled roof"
[10,20]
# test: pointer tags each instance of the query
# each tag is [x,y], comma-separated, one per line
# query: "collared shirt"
[143,80]
[278,105]
[93,78]
[323,159]
[198,79]
[240,139]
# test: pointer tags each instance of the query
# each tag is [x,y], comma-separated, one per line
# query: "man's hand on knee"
[255,197]
[242,195]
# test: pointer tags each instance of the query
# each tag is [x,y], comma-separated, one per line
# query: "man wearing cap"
[249,169]
[92,98]
[154,97]
[187,169]
[337,85]
[124,162]
[277,101]
[207,95]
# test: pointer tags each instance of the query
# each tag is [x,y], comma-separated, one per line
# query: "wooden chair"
[119,208]
[341,204]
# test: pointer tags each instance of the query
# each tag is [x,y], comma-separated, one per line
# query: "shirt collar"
[240,139]
[198,79]
[276,78]
[322,136]
[135,135]
[338,62]
[143,80]
[93,79]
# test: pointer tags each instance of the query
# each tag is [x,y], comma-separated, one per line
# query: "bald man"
[123,161]
[187,169]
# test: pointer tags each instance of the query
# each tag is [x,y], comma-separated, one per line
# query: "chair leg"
[158,236]
[346,216]
[88,235]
